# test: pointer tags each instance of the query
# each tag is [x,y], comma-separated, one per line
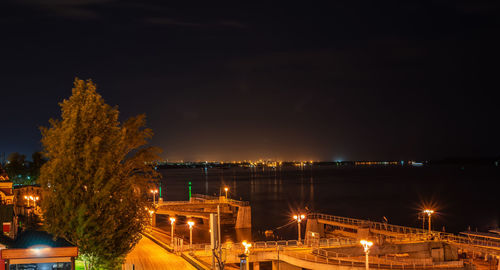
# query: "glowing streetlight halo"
[154,192]
[366,245]
[299,219]
[247,246]
[172,225]
[429,213]
[191,224]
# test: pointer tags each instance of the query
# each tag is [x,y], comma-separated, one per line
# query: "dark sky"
[225,80]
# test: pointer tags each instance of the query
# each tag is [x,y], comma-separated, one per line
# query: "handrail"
[208,199]
[413,233]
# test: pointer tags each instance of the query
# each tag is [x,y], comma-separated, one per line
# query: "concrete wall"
[244,217]
[438,251]
[284,266]
[314,226]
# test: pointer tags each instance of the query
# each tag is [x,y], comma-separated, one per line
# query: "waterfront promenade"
[430,251]
[148,255]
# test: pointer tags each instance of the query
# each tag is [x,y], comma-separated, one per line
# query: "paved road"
[148,255]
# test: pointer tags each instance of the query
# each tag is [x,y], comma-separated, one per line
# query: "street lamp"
[151,216]
[299,218]
[429,214]
[247,246]
[32,198]
[154,191]
[191,223]
[172,225]
[35,199]
[366,245]
[226,189]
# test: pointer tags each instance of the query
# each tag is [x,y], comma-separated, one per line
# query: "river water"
[462,196]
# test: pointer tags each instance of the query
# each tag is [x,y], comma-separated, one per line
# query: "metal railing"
[409,233]
[468,241]
[323,257]
[374,259]
[208,199]
[370,224]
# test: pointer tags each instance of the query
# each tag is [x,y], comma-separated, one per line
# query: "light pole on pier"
[366,245]
[191,223]
[226,189]
[429,214]
[172,225]
[154,191]
[299,218]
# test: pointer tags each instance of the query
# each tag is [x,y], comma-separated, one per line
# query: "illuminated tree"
[96,178]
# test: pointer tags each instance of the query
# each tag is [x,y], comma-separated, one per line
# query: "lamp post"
[151,216]
[226,189]
[32,198]
[244,256]
[299,218]
[154,191]
[191,223]
[429,214]
[35,199]
[366,245]
[172,225]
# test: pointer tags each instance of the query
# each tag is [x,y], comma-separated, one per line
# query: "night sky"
[225,80]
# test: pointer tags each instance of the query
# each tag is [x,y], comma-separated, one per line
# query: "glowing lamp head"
[191,224]
[172,220]
[26,197]
[366,245]
[37,198]
[226,189]
[151,212]
[295,217]
[247,246]
[429,212]
[302,216]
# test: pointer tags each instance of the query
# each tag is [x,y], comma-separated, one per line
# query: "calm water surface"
[463,197]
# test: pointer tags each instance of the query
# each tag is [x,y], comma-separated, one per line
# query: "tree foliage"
[96,178]
[21,171]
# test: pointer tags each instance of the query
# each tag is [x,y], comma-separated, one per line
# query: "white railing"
[409,233]
[370,224]
[195,198]
[329,257]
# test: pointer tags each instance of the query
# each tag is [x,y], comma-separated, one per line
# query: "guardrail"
[374,259]
[467,241]
[324,257]
[408,233]
[208,199]
[367,223]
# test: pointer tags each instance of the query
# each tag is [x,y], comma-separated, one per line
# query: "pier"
[332,242]
[233,212]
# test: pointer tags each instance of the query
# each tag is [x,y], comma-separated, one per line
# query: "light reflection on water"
[359,192]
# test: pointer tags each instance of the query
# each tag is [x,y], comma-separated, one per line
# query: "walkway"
[148,255]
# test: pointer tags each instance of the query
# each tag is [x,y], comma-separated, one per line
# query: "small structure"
[6,195]
[6,205]
[37,250]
